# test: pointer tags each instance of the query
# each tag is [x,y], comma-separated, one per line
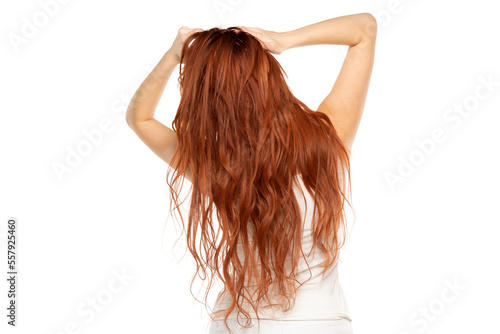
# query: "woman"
[272,168]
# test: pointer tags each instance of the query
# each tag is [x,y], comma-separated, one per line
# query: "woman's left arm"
[140,112]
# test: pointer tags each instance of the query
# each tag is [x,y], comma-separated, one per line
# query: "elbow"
[133,120]
[368,18]
[129,117]
[371,26]
[368,28]
[129,121]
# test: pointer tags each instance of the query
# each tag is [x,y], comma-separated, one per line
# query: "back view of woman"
[275,172]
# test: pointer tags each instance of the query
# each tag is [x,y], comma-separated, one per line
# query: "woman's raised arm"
[345,103]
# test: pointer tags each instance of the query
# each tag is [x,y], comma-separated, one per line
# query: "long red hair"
[246,137]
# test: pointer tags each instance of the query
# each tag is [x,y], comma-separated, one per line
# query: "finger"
[192,31]
[253,32]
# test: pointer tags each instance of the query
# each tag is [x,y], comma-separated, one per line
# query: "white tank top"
[317,299]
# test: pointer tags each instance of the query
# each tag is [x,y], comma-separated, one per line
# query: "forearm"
[145,100]
[344,30]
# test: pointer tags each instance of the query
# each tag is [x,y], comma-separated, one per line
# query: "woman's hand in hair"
[270,40]
[182,34]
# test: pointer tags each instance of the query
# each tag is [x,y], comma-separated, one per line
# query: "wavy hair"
[245,138]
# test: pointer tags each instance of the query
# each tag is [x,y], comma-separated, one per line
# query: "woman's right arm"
[345,103]
[344,30]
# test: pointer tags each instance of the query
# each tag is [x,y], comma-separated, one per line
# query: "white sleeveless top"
[317,299]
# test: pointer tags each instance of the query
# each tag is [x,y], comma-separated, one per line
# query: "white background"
[438,223]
